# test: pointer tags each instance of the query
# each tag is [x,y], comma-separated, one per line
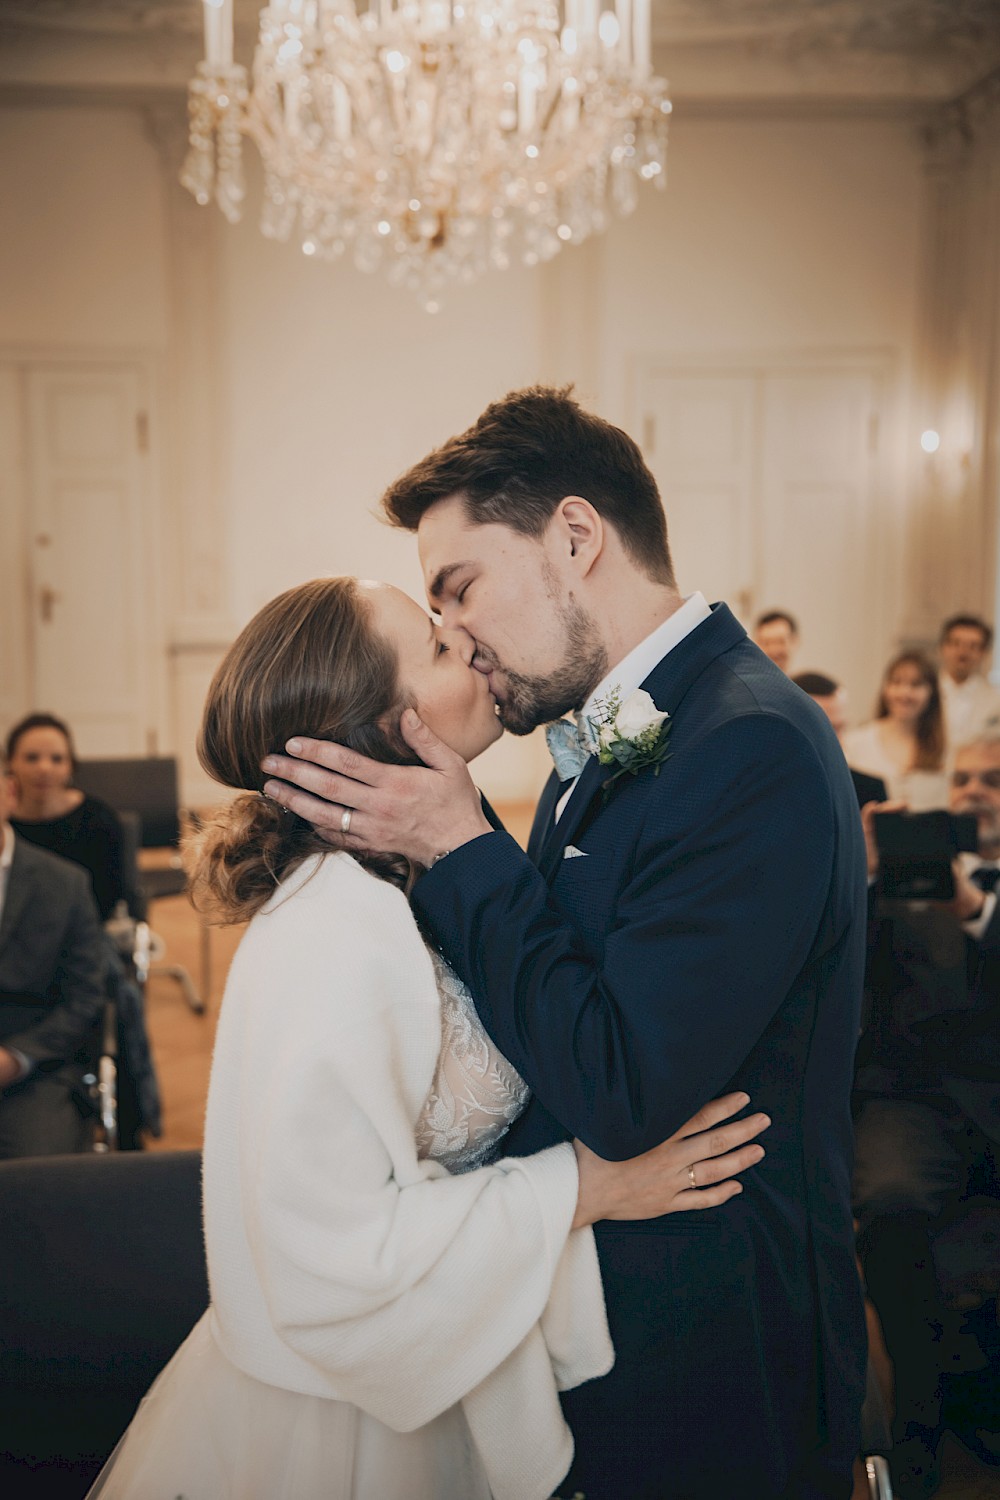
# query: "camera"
[916,852]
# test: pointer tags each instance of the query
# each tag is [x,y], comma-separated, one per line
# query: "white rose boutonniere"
[631,735]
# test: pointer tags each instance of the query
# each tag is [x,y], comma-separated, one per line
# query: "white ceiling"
[846,53]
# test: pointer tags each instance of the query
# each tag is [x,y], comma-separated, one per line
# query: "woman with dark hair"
[54,814]
[904,744]
[393,1310]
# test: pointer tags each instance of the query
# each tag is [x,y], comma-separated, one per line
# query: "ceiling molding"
[863,56]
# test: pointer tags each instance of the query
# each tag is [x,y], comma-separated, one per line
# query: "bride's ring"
[345,820]
[691,1177]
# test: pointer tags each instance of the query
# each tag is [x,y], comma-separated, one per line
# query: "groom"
[692,925]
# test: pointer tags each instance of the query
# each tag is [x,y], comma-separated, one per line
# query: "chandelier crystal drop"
[434,139]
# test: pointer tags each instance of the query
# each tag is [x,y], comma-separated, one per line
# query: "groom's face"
[514,594]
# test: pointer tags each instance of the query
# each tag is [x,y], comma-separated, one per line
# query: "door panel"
[817,521]
[86,528]
[767,477]
[700,445]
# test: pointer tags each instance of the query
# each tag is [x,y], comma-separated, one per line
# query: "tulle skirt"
[207,1431]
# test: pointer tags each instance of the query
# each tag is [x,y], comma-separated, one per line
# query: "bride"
[393,1311]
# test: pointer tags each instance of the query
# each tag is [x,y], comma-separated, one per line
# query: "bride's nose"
[461,641]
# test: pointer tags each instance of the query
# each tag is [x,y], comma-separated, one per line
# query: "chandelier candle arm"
[643,53]
[623,11]
[218,19]
[436,139]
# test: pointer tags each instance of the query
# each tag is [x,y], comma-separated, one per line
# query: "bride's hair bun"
[309,663]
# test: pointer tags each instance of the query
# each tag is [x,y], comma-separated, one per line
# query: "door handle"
[47,599]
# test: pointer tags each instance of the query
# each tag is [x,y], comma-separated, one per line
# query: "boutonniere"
[631,735]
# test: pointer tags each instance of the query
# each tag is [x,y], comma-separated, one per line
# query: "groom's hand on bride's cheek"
[357,804]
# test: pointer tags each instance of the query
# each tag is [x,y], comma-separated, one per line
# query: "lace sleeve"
[476,1094]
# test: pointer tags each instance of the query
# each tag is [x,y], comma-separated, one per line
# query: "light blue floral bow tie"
[570,745]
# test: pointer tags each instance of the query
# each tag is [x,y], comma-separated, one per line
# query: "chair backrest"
[146,786]
[102,1270]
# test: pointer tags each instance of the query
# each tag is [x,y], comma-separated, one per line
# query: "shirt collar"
[970,862]
[7,853]
[632,671]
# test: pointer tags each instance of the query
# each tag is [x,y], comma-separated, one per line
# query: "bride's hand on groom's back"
[695,1168]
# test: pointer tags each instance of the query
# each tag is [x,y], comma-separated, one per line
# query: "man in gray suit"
[52,992]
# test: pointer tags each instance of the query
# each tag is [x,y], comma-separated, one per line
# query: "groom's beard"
[530,701]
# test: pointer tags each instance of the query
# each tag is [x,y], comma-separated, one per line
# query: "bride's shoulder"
[334,876]
[330,900]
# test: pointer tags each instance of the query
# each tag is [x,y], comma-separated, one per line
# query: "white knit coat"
[340,1265]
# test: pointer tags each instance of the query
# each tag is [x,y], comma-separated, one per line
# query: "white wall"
[337,383]
[83,246]
[775,238]
[771,235]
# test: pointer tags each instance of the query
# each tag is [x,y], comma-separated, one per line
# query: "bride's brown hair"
[310,663]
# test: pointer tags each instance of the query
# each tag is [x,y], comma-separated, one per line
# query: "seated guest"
[52,813]
[827,693]
[52,989]
[927,1132]
[777,635]
[971,704]
[904,744]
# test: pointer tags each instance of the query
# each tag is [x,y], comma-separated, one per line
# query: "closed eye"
[442,646]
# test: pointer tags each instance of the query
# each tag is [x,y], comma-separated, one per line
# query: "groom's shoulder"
[749,709]
[744,684]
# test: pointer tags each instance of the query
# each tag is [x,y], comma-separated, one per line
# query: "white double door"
[81,559]
[770,483]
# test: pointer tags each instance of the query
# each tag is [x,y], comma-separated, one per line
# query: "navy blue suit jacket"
[712,938]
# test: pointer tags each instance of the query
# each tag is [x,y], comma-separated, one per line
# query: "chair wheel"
[879,1482]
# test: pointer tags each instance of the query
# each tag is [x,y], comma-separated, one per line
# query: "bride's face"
[435,669]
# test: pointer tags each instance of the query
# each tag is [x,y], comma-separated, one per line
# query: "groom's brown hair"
[523,456]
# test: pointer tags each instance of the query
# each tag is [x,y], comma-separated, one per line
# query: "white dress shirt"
[6,860]
[976,929]
[971,708]
[864,750]
[631,672]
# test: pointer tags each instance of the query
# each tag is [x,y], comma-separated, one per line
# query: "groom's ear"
[584,531]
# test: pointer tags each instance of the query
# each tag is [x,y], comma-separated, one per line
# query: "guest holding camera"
[904,745]
[927,1119]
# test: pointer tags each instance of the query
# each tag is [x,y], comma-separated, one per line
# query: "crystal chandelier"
[433,138]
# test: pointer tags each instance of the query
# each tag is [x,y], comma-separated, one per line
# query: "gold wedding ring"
[345,820]
[691,1177]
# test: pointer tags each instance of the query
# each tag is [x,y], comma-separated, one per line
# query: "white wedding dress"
[207,1431]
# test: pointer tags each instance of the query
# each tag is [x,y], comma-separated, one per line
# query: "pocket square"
[572,852]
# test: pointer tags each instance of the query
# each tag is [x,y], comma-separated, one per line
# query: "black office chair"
[102,1267]
[148,788]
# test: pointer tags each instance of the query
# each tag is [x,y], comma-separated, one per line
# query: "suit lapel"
[667,685]
[669,681]
[541,825]
[20,886]
[562,833]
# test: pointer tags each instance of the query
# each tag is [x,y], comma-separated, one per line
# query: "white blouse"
[923,790]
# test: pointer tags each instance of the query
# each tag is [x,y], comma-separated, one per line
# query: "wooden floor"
[182,1048]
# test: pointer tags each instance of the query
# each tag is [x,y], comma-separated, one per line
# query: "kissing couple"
[485,1212]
